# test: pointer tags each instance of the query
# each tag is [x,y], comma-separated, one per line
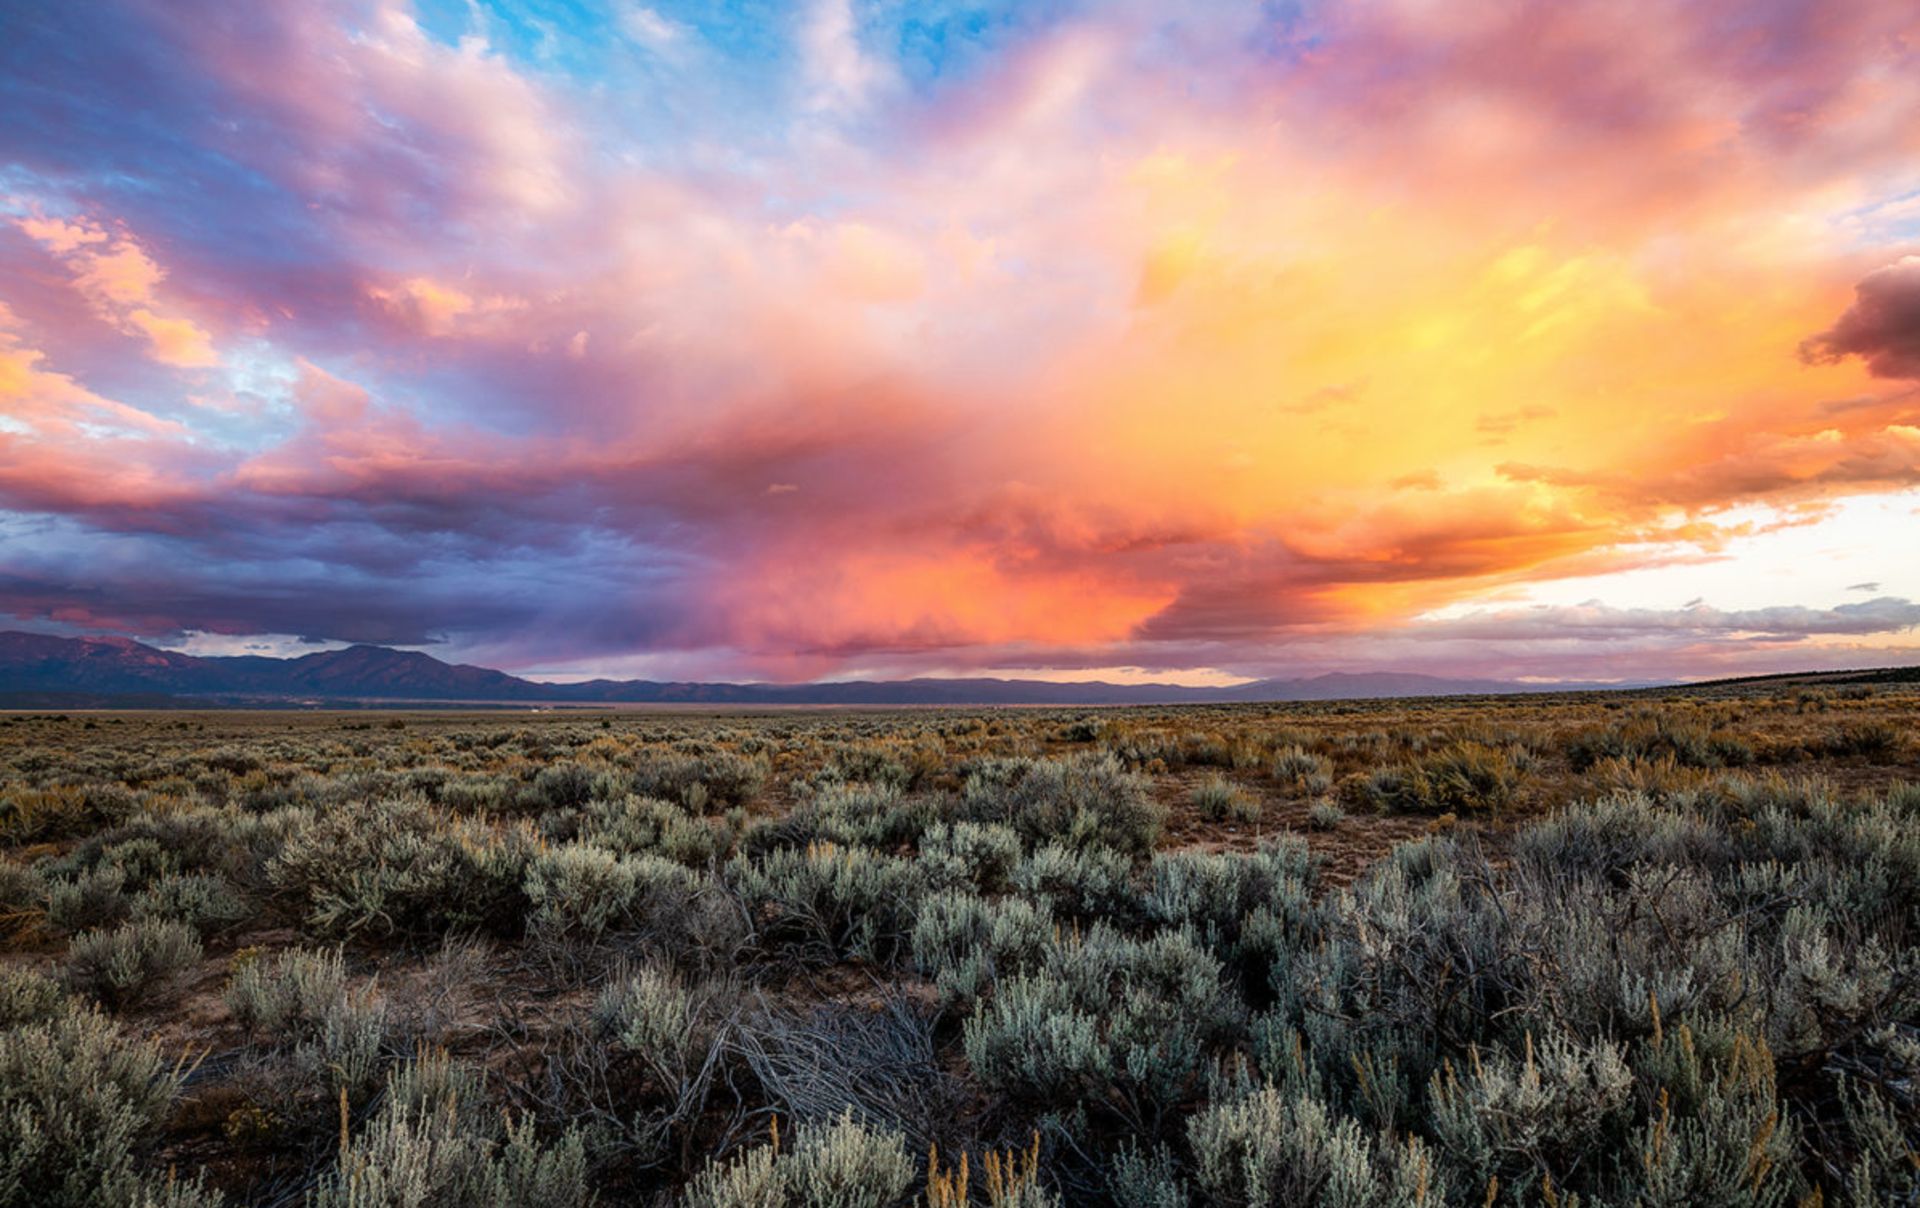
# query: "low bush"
[1687,743]
[1465,778]
[1218,799]
[1088,883]
[646,825]
[1083,801]
[206,903]
[966,942]
[1558,1106]
[80,1103]
[23,897]
[1270,1147]
[1876,740]
[972,854]
[399,867]
[828,902]
[433,1142]
[843,1164]
[128,963]
[285,997]
[88,899]
[1231,902]
[47,814]
[1107,1022]
[579,890]
[712,781]
[299,1003]
[27,997]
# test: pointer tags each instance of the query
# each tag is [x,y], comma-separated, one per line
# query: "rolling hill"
[39,669]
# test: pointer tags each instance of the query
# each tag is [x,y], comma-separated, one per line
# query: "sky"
[864,338]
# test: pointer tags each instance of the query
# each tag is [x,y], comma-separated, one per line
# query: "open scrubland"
[1641,949]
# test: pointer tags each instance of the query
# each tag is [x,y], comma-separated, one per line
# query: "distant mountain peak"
[41,664]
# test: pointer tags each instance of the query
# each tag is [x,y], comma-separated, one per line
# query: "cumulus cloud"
[1882,327]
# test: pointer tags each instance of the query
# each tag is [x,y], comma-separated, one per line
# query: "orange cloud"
[117,276]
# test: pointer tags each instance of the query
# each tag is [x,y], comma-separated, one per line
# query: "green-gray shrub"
[1218,799]
[713,780]
[635,825]
[1325,814]
[79,1103]
[978,855]
[579,890]
[299,1001]
[1293,764]
[1552,1108]
[88,899]
[831,902]
[1109,1020]
[123,965]
[202,901]
[1094,882]
[1085,800]
[398,866]
[431,1143]
[285,997]
[843,1164]
[27,997]
[1272,1148]
[966,942]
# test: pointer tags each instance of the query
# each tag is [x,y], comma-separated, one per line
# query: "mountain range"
[44,670]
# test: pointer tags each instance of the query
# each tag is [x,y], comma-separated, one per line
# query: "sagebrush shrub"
[1687,743]
[1108,1020]
[1083,801]
[674,1033]
[1094,882]
[1293,765]
[123,965]
[1214,895]
[830,902]
[23,896]
[299,1001]
[433,1143]
[974,854]
[579,890]
[1464,778]
[79,1102]
[713,780]
[966,942]
[1715,1132]
[27,997]
[89,899]
[1270,1148]
[843,1164]
[398,866]
[1218,799]
[1553,1108]
[206,903]
[646,825]
[285,996]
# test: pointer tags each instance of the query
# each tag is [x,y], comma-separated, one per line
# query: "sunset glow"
[1197,342]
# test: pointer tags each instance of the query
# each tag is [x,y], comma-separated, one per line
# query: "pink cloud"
[121,281]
